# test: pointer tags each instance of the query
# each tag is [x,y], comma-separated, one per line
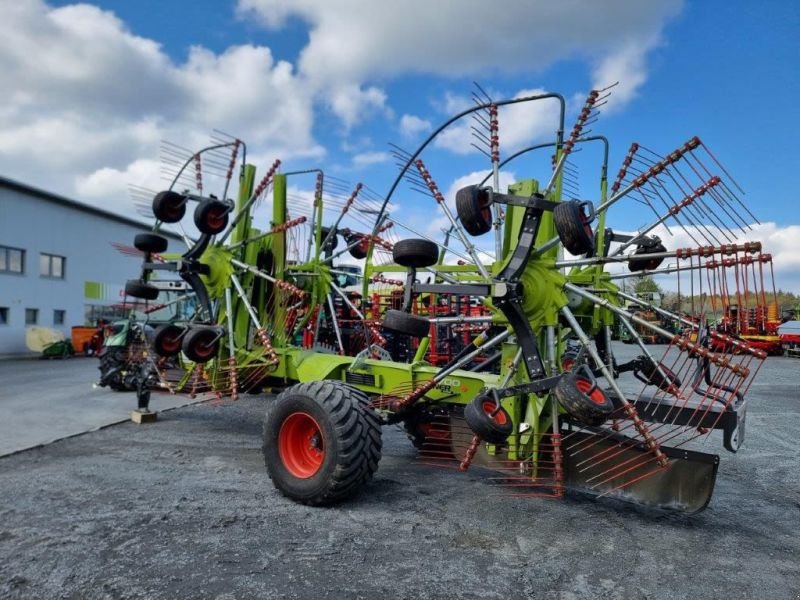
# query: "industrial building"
[59,266]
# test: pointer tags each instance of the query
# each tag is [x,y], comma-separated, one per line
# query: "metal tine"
[175,149]
[717,198]
[699,205]
[724,188]
[481,150]
[223,135]
[654,183]
[691,156]
[481,120]
[415,179]
[721,166]
[726,206]
[486,96]
[480,136]
[647,200]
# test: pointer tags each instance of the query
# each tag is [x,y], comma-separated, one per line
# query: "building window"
[31,316]
[51,265]
[59,316]
[3,315]
[12,260]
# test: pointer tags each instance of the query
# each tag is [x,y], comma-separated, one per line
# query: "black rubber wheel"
[647,264]
[431,430]
[415,253]
[167,339]
[583,400]
[474,210]
[486,421]
[169,206]
[359,250]
[574,226]
[137,289]
[150,242]
[568,361]
[321,442]
[211,216]
[332,242]
[668,382]
[398,321]
[201,344]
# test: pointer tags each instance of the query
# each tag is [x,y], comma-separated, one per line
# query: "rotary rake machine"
[528,267]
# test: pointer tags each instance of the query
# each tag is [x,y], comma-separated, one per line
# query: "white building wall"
[38,222]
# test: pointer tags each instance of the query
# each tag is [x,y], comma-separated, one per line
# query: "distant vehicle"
[789,334]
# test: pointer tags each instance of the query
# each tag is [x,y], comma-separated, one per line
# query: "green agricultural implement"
[535,397]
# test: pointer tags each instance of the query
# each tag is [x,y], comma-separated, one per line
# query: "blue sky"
[122,75]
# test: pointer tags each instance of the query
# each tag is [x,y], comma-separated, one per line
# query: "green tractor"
[529,265]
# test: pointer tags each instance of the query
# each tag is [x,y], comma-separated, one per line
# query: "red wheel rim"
[216,218]
[203,350]
[434,433]
[170,343]
[489,407]
[300,445]
[597,396]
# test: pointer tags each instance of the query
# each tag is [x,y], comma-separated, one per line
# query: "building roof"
[68,202]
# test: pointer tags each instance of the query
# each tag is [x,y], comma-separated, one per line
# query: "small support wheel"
[139,289]
[169,206]
[150,242]
[321,442]
[574,226]
[167,339]
[487,420]
[652,246]
[333,240]
[415,253]
[358,246]
[474,209]
[211,216]
[405,323]
[650,375]
[201,344]
[583,399]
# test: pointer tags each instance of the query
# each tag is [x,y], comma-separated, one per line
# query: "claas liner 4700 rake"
[535,398]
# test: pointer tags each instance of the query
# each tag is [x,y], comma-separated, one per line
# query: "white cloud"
[519,125]
[351,102]
[352,40]
[779,241]
[366,159]
[627,67]
[87,101]
[108,188]
[411,126]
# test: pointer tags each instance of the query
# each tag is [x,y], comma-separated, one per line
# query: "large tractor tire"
[322,442]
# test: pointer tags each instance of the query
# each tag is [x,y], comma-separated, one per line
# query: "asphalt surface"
[183,509]
[45,400]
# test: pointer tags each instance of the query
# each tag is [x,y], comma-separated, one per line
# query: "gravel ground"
[184,509]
